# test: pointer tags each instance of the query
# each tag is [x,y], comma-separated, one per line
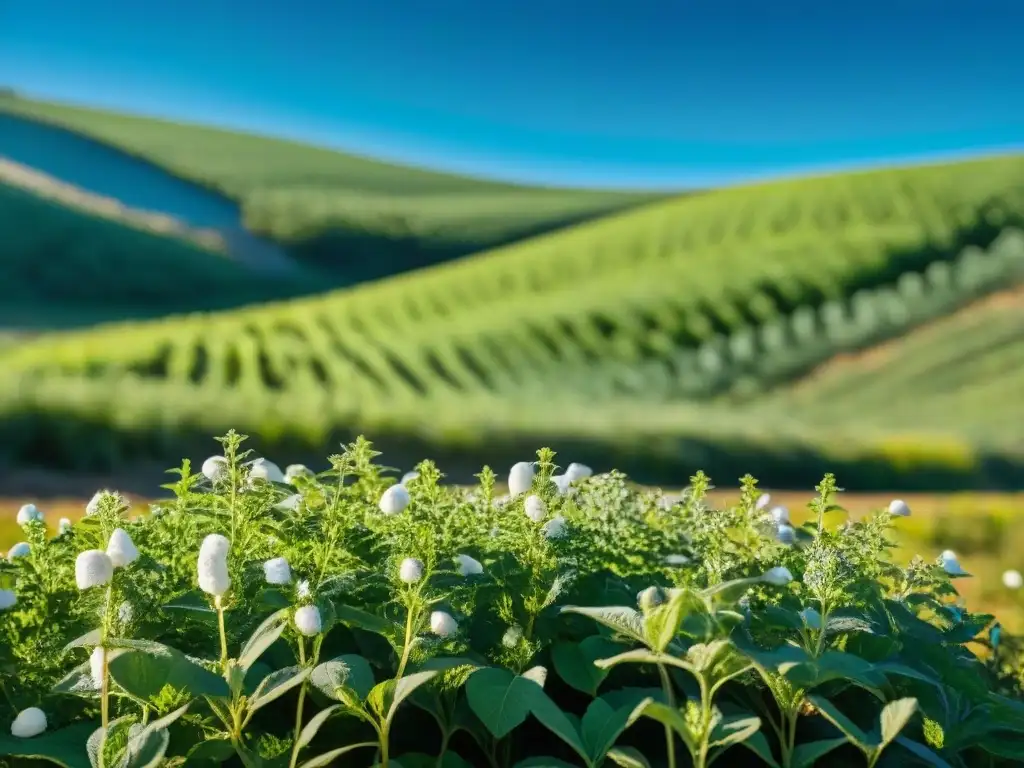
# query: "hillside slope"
[363,217]
[495,350]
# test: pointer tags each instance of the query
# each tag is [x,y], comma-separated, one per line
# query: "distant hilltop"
[6,92]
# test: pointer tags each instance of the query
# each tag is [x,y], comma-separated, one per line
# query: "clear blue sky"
[621,92]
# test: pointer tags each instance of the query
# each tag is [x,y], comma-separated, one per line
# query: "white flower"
[469,566]
[215,468]
[212,565]
[21,549]
[29,722]
[899,508]
[512,636]
[294,471]
[442,624]
[121,549]
[786,534]
[93,568]
[96,666]
[951,565]
[650,598]
[948,554]
[93,507]
[289,503]
[63,526]
[262,469]
[780,515]
[811,618]
[577,472]
[7,599]
[29,514]
[778,576]
[762,501]
[535,508]
[561,483]
[277,571]
[408,477]
[555,528]
[1012,579]
[302,589]
[394,499]
[676,560]
[411,570]
[520,478]
[307,620]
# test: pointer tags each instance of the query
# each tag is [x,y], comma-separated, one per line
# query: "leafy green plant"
[292,619]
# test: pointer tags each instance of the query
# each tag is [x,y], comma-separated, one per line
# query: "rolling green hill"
[361,217]
[530,343]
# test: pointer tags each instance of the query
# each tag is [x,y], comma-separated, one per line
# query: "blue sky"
[626,93]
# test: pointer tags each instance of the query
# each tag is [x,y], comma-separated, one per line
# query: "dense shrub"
[577,621]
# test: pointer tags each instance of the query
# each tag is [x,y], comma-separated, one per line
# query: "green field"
[360,217]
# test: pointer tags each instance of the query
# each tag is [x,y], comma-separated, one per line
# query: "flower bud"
[650,598]
[555,528]
[469,566]
[93,568]
[93,507]
[267,471]
[778,576]
[277,571]
[1012,579]
[29,514]
[442,624]
[899,508]
[535,508]
[63,526]
[951,565]
[762,501]
[7,599]
[561,483]
[512,636]
[307,620]
[121,549]
[294,471]
[29,722]
[394,499]
[780,515]
[408,477]
[411,570]
[520,478]
[215,468]
[577,472]
[21,549]
[212,565]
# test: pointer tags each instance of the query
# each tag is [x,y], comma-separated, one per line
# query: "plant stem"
[298,709]
[407,644]
[105,693]
[219,605]
[444,747]
[666,685]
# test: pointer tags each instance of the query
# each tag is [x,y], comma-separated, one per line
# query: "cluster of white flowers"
[29,513]
[277,571]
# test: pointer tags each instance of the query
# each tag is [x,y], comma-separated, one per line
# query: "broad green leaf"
[843,723]
[89,640]
[921,752]
[386,697]
[145,673]
[628,757]
[845,625]
[555,720]
[808,754]
[276,685]
[665,715]
[266,635]
[193,602]
[78,681]
[661,625]
[734,729]
[146,748]
[643,656]
[624,620]
[500,699]
[328,758]
[835,665]
[758,744]
[210,751]
[95,744]
[574,662]
[353,617]
[313,726]
[893,668]
[348,672]
[895,717]
[729,591]
[602,724]
[543,762]
[65,746]
[780,617]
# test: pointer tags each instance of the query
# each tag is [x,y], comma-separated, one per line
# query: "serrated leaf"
[808,754]
[276,685]
[626,621]
[895,717]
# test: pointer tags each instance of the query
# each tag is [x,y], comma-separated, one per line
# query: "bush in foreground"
[269,618]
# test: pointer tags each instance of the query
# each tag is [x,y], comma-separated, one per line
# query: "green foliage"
[453,628]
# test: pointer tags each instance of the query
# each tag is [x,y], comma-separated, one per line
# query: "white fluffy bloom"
[899,508]
[762,501]
[307,620]
[811,618]
[93,568]
[29,722]
[21,549]
[93,507]
[262,469]
[411,570]
[121,549]
[408,477]
[96,666]
[951,565]
[294,471]
[650,598]
[7,599]
[786,534]
[394,499]
[520,478]
[555,528]
[289,503]
[535,508]
[512,636]
[212,565]
[215,468]
[561,482]
[469,566]
[577,472]
[778,576]
[442,624]
[1012,579]
[676,560]
[948,554]
[29,514]
[63,526]
[277,571]
[302,589]
[780,515]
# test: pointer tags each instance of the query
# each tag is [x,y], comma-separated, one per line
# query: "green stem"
[670,744]
[407,644]
[219,605]
[444,747]
[298,708]
[700,760]
[105,682]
